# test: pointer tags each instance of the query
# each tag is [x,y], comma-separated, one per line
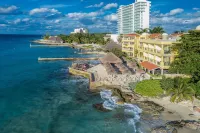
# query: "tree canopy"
[158,29]
[181,91]
[85,38]
[187,60]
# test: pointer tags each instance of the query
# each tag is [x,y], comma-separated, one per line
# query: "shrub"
[197,89]
[150,88]
[167,83]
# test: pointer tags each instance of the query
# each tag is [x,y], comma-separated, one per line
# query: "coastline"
[183,111]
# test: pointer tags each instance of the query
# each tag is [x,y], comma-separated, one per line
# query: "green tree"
[46,37]
[158,29]
[177,32]
[182,91]
[197,90]
[120,38]
[187,60]
[167,83]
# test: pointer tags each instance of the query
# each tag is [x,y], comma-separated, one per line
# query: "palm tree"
[181,92]
[158,29]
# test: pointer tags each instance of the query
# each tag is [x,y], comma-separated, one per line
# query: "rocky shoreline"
[152,112]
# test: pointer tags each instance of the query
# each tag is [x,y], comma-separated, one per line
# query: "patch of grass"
[149,88]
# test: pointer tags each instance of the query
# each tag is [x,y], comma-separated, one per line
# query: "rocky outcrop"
[164,129]
[184,123]
[126,96]
[99,106]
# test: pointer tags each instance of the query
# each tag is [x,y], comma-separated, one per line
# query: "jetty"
[45,45]
[66,59]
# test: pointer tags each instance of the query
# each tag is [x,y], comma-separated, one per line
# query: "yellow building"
[129,44]
[152,51]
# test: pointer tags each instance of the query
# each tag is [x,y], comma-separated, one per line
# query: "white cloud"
[112,17]
[3,25]
[96,5]
[43,10]
[57,21]
[174,20]
[17,21]
[56,6]
[77,15]
[174,12]
[111,5]
[25,19]
[6,10]
[196,8]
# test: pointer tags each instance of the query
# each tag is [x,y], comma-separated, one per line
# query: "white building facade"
[133,17]
[80,30]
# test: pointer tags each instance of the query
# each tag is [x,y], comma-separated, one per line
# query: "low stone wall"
[92,84]
[79,73]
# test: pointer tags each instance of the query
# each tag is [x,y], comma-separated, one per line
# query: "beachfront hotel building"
[133,17]
[152,51]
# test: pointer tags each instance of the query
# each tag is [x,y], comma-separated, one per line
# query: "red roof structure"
[148,65]
[132,35]
[155,36]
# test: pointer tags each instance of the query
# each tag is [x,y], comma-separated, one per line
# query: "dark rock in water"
[99,106]
[164,129]
[177,124]
[122,116]
[195,125]
[150,108]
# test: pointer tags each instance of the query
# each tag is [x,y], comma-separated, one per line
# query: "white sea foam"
[110,102]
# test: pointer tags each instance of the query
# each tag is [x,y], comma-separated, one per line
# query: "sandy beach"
[180,111]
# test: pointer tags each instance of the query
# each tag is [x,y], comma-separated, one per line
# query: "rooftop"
[110,58]
[148,65]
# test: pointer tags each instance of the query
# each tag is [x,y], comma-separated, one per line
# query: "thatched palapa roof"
[110,58]
[112,45]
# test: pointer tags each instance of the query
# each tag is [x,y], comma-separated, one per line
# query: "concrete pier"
[45,45]
[66,59]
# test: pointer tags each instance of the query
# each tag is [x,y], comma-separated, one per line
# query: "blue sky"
[62,16]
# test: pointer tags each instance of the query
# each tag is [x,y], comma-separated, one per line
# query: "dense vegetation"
[82,38]
[178,88]
[46,36]
[150,88]
[187,60]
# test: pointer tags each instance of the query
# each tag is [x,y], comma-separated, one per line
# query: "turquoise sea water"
[41,97]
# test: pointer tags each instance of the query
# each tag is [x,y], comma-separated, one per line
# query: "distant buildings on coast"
[133,17]
[80,30]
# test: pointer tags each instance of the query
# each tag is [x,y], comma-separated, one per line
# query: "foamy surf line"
[110,103]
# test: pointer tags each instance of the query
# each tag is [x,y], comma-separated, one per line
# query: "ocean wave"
[110,103]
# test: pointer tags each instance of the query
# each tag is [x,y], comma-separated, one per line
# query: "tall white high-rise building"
[133,17]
